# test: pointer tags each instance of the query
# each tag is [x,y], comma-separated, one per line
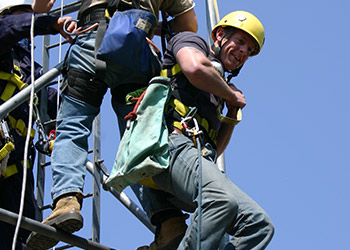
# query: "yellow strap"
[8,91]
[230,120]
[149,182]
[182,109]
[20,127]
[12,169]
[13,78]
[6,150]
[171,72]
[13,81]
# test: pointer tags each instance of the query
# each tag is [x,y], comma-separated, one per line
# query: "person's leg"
[10,196]
[68,162]
[169,220]
[221,199]
[252,229]
[79,106]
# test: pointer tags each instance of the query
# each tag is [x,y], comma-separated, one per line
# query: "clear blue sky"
[290,153]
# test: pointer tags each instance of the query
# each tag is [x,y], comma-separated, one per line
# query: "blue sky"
[290,152]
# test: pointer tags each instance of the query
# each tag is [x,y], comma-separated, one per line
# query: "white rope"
[30,121]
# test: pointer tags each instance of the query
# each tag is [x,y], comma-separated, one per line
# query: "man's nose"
[244,50]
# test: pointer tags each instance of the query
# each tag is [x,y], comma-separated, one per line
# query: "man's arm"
[185,22]
[200,72]
[226,131]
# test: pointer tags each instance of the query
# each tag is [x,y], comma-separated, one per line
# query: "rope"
[30,121]
[199,176]
[196,132]
[133,115]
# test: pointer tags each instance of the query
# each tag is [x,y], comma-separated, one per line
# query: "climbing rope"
[195,132]
[30,122]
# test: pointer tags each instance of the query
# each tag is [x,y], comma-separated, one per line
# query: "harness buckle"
[195,131]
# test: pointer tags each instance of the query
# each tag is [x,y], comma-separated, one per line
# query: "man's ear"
[220,34]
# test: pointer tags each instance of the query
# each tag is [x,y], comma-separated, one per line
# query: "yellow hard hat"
[245,21]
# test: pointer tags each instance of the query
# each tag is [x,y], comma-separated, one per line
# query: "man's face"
[236,48]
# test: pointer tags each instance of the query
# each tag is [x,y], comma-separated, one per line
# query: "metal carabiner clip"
[78,31]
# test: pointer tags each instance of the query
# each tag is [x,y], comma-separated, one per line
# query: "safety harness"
[182,110]
[11,124]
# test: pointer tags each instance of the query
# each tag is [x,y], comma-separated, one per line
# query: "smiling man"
[193,69]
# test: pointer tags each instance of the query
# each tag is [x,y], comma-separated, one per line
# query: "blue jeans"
[225,208]
[74,124]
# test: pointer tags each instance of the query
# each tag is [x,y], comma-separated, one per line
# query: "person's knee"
[269,227]
[264,225]
[225,204]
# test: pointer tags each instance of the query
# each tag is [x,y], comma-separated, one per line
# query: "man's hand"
[70,27]
[42,6]
[238,100]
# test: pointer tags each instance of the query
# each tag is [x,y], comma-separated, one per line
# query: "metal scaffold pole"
[213,18]
[22,96]
[33,225]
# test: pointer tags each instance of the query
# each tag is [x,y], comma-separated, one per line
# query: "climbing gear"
[8,5]
[196,133]
[85,87]
[169,234]
[44,145]
[66,216]
[124,46]
[6,146]
[143,151]
[178,109]
[14,169]
[10,125]
[77,31]
[245,21]
[13,81]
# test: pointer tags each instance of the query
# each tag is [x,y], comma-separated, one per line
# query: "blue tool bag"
[124,53]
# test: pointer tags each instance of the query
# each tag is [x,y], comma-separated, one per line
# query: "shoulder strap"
[136,4]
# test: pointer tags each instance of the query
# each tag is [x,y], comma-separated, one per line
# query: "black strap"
[112,6]
[100,65]
[162,34]
[136,4]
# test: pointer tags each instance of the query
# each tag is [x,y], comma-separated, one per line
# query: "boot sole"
[69,222]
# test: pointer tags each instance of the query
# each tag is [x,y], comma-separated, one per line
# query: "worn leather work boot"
[171,233]
[66,216]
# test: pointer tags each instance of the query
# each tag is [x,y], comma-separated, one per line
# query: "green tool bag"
[143,151]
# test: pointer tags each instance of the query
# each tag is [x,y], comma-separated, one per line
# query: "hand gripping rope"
[195,132]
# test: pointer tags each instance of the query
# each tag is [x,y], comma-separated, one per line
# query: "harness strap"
[20,127]
[13,169]
[13,81]
[176,69]
[183,110]
[6,149]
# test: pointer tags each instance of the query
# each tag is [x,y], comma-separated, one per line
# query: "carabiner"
[77,32]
